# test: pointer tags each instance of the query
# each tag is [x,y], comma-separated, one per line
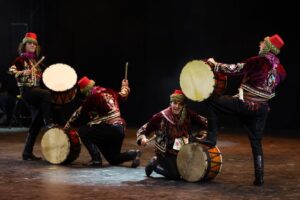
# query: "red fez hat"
[178,96]
[30,37]
[276,41]
[178,92]
[85,84]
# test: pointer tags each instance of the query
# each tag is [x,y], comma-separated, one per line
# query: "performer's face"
[30,47]
[262,45]
[176,107]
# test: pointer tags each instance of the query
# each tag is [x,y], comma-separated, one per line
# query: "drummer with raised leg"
[27,70]
[260,77]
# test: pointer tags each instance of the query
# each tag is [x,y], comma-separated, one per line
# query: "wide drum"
[198,81]
[61,80]
[197,162]
[59,146]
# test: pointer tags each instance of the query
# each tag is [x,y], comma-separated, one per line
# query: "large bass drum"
[197,162]
[61,80]
[60,146]
[198,81]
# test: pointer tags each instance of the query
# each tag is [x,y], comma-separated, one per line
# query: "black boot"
[30,157]
[151,166]
[154,166]
[162,171]
[211,139]
[94,163]
[27,153]
[212,129]
[208,142]
[130,155]
[259,170]
[136,155]
[49,124]
[95,154]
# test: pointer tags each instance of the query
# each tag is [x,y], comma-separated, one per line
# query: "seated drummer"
[172,127]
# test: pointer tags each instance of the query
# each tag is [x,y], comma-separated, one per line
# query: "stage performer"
[172,127]
[261,75]
[27,70]
[100,125]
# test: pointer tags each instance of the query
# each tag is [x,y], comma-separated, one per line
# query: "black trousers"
[167,166]
[109,139]
[39,101]
[253,119]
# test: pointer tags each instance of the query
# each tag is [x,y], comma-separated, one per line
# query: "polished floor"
[41,180]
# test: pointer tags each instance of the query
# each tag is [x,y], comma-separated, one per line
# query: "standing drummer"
[28,74]
[261,75]
[172,127]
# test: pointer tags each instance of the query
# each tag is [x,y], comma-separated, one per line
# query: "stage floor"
[41,180]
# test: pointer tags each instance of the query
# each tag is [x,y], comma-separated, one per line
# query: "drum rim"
[205,165]
[185,88]
[46,134]
[60,66]
[210,172]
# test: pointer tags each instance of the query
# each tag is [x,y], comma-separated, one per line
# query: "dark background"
[157,38]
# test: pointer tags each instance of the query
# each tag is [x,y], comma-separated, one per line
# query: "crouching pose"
[104,129]
[172,127]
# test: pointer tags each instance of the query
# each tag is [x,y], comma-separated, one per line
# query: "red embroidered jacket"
[261,74]
[167,128]
[101,106]
[18,67]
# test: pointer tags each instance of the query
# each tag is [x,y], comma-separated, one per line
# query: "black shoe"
[94,163]
[136,161]
[259,170]
[208,142]
[150,166]
[30,157]
[49,126]
[258,182]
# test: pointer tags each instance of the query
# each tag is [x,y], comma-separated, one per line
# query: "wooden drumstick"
[126,70]
[33,71]
[39,62]
[150,139]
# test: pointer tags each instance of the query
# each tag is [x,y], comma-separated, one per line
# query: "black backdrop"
[157,38]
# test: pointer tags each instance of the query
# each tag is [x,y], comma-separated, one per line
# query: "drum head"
[55,145]
[197,80]
[59,77]
[192,162]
